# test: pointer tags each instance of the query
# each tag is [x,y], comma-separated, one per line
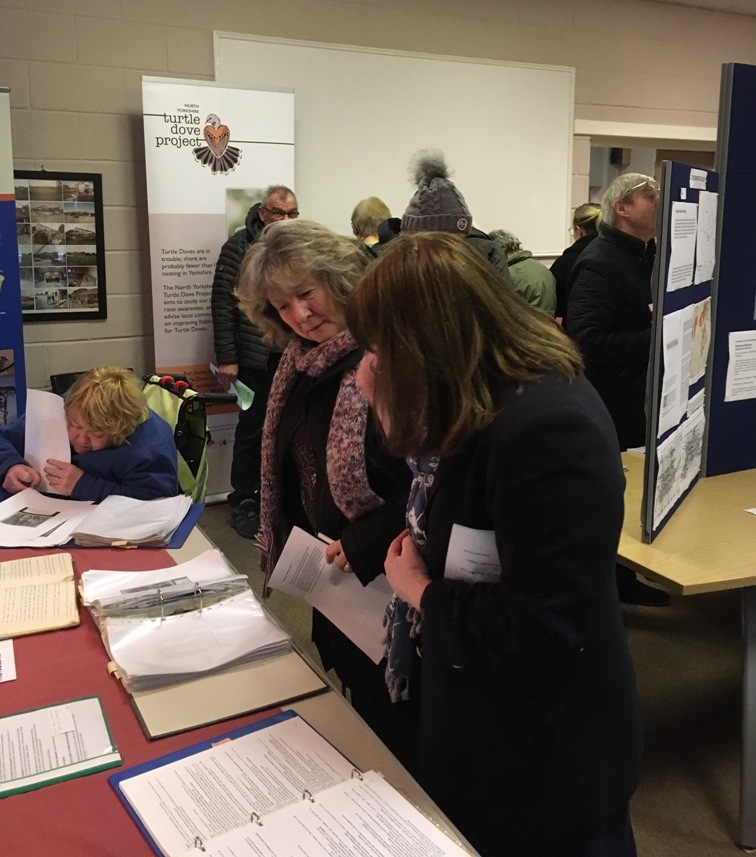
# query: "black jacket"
[486,246]
[530,724]
[236,339]
[365,539]
[609,317]
[562,267]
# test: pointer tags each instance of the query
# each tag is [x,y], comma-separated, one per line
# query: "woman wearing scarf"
[324,467]
[529,728]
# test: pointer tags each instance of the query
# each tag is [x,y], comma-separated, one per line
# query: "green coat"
[533,281]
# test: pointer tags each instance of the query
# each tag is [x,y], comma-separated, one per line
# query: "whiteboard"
[361,114]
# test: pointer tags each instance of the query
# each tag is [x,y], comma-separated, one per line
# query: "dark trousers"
[614,840]
[395,723]
[245,463]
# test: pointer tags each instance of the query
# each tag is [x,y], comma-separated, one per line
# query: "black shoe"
[632,591]
[245,519]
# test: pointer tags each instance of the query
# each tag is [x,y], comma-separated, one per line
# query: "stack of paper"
[30,519]
[37,594]
[124,520]
[174,624]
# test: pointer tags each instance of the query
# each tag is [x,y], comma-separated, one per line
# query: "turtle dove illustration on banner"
[217,154]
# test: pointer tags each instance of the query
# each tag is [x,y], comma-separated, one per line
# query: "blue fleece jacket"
[145,466]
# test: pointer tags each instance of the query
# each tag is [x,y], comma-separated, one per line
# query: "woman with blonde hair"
[324,466]
[585,226]
[504,579]
[118,445]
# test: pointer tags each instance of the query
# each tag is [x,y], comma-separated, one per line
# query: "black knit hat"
[437,206]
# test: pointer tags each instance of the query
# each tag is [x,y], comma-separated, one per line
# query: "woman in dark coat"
[324,466]
[585,226]
[529,731]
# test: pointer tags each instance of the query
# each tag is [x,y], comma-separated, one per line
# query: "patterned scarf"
[402,622]
[345,447]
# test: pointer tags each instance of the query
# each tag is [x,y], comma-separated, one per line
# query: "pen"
[324,538]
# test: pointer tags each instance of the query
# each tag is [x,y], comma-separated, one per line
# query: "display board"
[505,129]
[680,340]
[732,377]
[12,369]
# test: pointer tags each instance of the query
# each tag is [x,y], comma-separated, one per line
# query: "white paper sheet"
[741,368]
[677,329]
[692,447]
[56,742]
[701,339]
[46,435]
[706,236]
[355,818]
[683,227]
[7,661]
[29,519]
[472,556]
[669,476]
[355,609]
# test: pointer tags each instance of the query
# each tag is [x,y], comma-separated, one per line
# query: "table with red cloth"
[83,817]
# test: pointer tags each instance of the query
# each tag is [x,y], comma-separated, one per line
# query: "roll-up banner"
[14,222]
[210,151]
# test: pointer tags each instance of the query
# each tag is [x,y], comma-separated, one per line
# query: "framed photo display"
[61,247]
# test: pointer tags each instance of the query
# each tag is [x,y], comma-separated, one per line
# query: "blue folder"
[116,779]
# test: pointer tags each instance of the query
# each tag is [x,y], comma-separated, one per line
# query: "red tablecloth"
[82,817]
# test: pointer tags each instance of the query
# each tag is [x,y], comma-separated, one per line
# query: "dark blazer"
[366,539]
[562,267]
[530,725]
[609,317]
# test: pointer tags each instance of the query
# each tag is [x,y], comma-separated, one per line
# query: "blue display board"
[729,444]
[12,371]
[680,340]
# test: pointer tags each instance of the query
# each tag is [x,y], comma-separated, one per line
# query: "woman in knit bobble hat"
[438,206]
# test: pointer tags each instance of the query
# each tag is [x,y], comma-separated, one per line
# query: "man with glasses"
[241,354]
[609,317]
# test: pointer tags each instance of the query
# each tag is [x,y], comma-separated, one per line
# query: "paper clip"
[161,601]
[255,819]
[198,843]
[198,594]
[307,795]
[356,774]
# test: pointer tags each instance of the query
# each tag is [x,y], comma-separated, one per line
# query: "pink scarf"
[345,449]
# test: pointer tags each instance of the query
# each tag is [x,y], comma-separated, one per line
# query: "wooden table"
[708,545]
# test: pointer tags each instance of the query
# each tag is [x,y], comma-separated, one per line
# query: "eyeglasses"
[651,184]
[281,214]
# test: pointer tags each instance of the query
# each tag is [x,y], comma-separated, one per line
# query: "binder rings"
[274,787]
[192,645]
[119,781]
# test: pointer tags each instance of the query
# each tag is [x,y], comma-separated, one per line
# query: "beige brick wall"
[75,67]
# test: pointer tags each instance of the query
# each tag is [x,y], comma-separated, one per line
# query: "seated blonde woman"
[118,445]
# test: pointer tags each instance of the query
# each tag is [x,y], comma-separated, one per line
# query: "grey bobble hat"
[437,206]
